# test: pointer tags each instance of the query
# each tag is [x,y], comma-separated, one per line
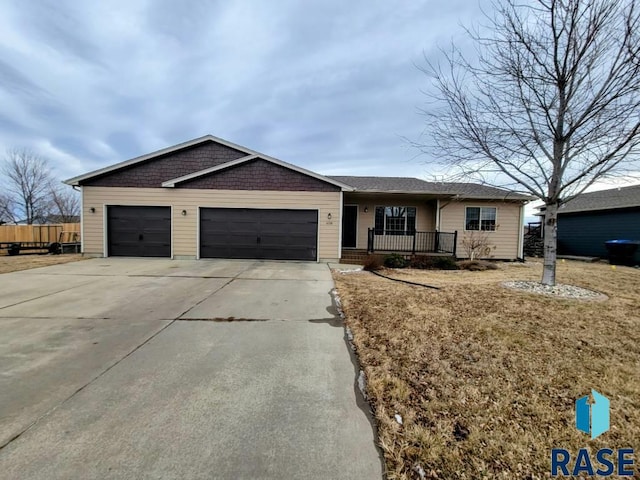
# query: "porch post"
[455,242]
[370,240]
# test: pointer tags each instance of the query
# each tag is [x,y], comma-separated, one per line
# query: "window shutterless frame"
[480,208]
[384,219]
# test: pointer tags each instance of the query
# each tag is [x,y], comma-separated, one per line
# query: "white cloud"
[330,85]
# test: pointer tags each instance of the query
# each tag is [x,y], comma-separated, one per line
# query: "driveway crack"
[48,412]
[41,296]
[179,317]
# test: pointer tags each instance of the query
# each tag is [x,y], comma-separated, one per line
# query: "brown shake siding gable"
[259,175]
[152,173]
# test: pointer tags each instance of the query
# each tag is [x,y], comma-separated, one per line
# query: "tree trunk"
[550,244]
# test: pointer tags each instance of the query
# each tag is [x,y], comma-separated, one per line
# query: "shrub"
[395,260]
[477,265]
[424,262]
[421,262]
[476,245]
[445,263]
[372,263]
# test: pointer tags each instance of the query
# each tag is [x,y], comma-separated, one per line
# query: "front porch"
[416,243]
[357,257]
[384,223]
[412,242]
[400,213]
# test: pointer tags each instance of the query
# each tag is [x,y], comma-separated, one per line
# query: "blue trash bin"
[622,252]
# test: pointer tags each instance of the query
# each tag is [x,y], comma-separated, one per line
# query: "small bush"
[445,263]
[372,263]
[421,262]
[477,265]
[424,262]
[395,260]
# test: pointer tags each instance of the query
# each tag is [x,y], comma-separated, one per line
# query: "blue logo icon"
[592,419]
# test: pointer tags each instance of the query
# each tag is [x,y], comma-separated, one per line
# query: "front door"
[349,226]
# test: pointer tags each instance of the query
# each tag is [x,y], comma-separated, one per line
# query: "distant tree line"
[30,193]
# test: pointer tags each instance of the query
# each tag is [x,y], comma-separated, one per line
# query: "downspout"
[439,221]
[79,189]
[440,208]
[340,213]
[521,234]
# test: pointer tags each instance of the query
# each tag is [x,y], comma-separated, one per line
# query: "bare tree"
[549,104]
[477,245]
[6,209]
[27,185]
[65,204]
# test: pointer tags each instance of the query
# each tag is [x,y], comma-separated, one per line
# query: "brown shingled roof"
[415,185]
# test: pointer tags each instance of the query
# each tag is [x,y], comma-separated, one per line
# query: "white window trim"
[480,218]
[385,216]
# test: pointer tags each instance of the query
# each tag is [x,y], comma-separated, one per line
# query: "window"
[395,220]
[480,218]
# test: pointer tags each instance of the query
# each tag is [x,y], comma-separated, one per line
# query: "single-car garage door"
[258,233]
[139,231]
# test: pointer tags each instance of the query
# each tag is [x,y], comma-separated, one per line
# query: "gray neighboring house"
[589,220]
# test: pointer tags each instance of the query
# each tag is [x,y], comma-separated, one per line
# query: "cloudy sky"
[328,85]
[332,86]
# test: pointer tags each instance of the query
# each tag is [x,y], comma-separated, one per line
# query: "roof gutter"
[456,196]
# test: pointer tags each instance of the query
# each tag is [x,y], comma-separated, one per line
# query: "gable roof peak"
[249,155]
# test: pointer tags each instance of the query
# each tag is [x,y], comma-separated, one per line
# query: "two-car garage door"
[275,234]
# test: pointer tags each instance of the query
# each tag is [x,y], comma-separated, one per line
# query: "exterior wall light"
[184,213]
[329,216]
[92,210]
[366,209]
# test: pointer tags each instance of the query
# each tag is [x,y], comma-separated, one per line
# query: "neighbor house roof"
[251,154]
[415,185]
[622,197]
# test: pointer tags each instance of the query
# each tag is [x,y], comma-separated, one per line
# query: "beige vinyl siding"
[185,228]
[505,238]
[425,211]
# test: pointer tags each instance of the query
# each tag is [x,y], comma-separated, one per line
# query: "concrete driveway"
[136,368]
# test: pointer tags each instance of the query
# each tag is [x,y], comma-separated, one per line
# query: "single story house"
[589,220]
[210,198]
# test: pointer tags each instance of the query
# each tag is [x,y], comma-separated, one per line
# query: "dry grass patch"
[26,262]
[485,377]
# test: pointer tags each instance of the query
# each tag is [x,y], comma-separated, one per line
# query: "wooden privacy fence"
[40,233]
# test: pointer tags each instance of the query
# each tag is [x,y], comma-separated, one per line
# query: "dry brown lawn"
[484,377]
[26,262]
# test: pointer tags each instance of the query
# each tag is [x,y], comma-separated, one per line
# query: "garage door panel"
[229,241]
[291,240]
[290,253]
[258,233]
[139,231]
[227,251]
[155,251]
